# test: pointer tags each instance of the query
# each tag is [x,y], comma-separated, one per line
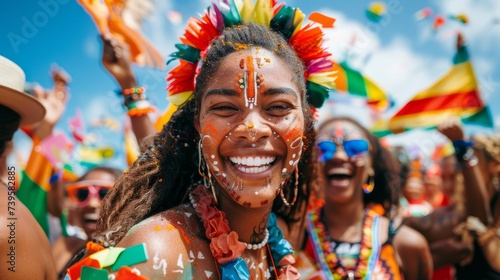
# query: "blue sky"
[402,55]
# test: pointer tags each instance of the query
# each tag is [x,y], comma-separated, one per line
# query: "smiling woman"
[346,237]
[205,199]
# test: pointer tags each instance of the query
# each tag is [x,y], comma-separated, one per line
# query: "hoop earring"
[368,187]
[295,191]
[201,164]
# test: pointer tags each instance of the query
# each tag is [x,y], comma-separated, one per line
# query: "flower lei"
[227,249]
[307,43]
[330,262]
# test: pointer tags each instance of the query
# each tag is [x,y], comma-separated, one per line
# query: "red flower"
[226,247]
[217,225]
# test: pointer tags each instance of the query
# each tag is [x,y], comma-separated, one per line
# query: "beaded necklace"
[224,244]
[329,261]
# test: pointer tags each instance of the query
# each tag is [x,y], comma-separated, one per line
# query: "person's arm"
[414,253]
[54,102]
[449,251]
[40,170]
[24,248]
[476,194]
[116,60]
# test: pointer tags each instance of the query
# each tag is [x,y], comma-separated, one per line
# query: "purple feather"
[318,65]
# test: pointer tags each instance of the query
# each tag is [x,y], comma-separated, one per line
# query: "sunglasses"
[351,147]
[81,192]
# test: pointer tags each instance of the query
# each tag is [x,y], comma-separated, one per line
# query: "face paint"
[249,82]
[160,264]
[253,132]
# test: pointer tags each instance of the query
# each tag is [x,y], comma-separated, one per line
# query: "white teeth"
[252,161]
[252,164]
[91,216]
[253,170]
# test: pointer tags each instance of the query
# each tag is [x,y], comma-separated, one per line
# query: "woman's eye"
[279,109]
[224,110]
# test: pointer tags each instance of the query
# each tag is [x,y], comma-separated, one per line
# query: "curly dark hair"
[386,191]
[8,125]
[161,177]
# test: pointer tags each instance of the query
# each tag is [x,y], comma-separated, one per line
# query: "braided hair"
[161,177]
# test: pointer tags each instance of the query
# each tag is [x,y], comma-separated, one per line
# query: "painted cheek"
[209,130]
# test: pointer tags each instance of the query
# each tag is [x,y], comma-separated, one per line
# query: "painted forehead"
[340,130]
[252,73]
[249,82]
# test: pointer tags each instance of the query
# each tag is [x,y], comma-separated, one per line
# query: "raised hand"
[452,129]
[117,61]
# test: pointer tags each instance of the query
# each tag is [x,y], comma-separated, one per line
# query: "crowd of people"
[243,181]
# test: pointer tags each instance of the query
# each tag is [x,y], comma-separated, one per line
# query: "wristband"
[462,147]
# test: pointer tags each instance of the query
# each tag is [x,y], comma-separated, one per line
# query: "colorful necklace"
[328,259]
[224,243]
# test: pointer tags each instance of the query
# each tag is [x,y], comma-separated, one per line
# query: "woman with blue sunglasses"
[346,236]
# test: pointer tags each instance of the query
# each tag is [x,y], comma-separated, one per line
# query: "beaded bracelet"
[136,102]
[132,95]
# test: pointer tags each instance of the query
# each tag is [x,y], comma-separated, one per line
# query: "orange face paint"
[339,132]
[250,83]
[293,134]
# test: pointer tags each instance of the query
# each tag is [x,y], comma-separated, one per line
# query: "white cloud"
[401,72]
[350,40]
[481,16]
[396,68]
[160,30]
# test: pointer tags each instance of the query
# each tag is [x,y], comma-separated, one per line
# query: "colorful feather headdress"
[307,43]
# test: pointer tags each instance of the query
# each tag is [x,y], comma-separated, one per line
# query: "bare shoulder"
[24,248]
[409,239]
[175,243]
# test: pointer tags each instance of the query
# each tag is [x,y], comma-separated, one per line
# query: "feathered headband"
[287,21]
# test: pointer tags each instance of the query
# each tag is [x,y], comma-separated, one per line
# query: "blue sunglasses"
[351,148]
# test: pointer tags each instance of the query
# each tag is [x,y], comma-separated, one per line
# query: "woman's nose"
[340,153]
[253,128]
[94,202]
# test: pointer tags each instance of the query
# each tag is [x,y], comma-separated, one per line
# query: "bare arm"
[414,254]
[449,251]
[116,60]
[24,248]
[476,194]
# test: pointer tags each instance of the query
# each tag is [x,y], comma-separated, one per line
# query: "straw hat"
[12,81]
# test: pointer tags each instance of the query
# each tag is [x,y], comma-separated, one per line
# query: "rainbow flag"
[455,94]
[353,82]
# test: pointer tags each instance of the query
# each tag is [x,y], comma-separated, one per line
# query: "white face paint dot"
[212,156]
[224,175]
[290,162]
[284,170]
[293,156]
[256,193]
[216,162]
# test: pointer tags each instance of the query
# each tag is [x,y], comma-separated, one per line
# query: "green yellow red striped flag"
[35,183]
[456,94]
[353,82]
